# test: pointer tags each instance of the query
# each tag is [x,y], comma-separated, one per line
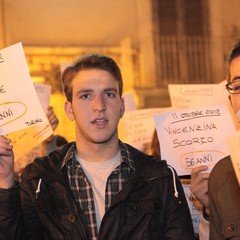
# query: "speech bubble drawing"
[11,111]
[203,157]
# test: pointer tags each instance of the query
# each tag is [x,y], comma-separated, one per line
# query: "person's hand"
[199,185]
[6,163]
[52,118]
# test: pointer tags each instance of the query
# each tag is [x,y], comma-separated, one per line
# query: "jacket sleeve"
[177,215]
[11,220]
[224,195]
[14,223]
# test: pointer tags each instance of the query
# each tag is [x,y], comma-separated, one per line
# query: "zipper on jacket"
[38,187]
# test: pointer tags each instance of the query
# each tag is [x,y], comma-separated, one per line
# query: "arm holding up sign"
[199,186]
[10,203]
[199,189]
[10,191]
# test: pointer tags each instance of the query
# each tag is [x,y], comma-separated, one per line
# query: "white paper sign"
[19,104]
[137,127]
[130,104]
[22,118]
[44,92]
[195,214]
[197,95]
[193,137]
[234,146]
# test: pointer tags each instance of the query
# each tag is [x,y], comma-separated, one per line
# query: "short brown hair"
[234,53]
[86,62]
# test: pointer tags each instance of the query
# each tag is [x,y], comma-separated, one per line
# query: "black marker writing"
[40,133]
[174,115]
[191,162]
[196,219]
[2,90]
[190,129]
[199,91]
[6,114]
[197,114]
[33,122]
[1,58]
[193,141]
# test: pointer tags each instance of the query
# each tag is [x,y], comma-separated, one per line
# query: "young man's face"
[235,75]
[96,106]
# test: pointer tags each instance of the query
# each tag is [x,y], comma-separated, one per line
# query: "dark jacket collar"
[51,166]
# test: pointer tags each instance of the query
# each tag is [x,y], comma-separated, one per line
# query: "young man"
[96,187]
[221,195]
[224,189]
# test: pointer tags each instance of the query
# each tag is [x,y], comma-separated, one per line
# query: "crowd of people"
[99,187]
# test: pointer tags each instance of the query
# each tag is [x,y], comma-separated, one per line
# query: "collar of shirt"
[126,156]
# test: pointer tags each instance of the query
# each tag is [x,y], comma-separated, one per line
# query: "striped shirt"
[82,189]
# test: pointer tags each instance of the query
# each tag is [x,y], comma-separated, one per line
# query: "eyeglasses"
[233,87]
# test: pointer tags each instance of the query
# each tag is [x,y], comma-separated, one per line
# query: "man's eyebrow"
[83,91]
[110,89]
[89,90]
[235,78]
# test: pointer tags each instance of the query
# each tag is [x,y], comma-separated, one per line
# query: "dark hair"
[86,62]
[60,140]
[155,145]
[235,52]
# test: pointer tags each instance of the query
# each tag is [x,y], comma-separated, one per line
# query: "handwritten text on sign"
[19,104]
[193,137]
[22,118]
[26,139]
[137,127]
[197,95]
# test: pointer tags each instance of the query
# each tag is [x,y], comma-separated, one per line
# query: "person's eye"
[85,96]
[110,94]
[235,85]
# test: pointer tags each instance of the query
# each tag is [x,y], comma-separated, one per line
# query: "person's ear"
[68,110]
[122,110]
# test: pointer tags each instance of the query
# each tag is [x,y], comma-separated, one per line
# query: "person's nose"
[99,103]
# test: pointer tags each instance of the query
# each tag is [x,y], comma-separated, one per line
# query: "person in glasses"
[223,187]
[219,191]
